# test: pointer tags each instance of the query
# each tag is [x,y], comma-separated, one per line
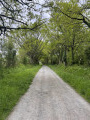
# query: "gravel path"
[49,98]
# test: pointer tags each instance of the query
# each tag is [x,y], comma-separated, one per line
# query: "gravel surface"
[50,98]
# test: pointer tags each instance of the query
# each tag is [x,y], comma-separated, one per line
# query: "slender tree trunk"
[61,58]
[72,55]
[65,57]
[51,59]
[72,48]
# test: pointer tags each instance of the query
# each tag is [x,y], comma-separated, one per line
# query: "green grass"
[77,76]
[13,85]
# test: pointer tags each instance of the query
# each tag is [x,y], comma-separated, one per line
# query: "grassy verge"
[13,85]
[77,76]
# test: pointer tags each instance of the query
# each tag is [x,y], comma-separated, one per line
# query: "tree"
[74,10]
[33,47]
[87,53]
[30,43]
[11,55]
[14,13]
[65,35]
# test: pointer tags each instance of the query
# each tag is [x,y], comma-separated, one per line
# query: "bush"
[87,53]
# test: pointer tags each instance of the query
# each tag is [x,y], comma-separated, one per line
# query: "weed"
[77,76]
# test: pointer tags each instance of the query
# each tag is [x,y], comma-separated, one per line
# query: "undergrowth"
[77,76]
[14,82]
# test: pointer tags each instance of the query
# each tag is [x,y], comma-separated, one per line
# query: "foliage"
[66,37]
[34,48]
[74,10]
[59,40]
[15,12]
[87,53]
[11,55]
[25,61]
[30,45]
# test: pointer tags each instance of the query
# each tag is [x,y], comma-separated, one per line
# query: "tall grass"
[13,85]
[77,76]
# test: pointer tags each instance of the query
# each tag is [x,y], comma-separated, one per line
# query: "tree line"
[65,38]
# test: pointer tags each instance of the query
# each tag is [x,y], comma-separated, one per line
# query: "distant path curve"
[50,98]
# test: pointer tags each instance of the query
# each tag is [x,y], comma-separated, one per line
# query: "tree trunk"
[51,59]
[65,57]
[59,56]
[62,51]
[72,55]
[72,48]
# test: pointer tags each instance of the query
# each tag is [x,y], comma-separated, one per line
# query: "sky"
[44,14]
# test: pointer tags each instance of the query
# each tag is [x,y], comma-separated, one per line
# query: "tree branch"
[12,19]
[8,8]
[3,28]
[80,19]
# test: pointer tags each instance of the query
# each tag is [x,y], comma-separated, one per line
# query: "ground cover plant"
[77,76]
[13,84]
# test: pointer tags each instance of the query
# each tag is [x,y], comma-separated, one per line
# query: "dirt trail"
[49,98]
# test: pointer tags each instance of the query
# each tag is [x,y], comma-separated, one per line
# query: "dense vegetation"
[77,76]
[65,38]
[62,38]
[13,85]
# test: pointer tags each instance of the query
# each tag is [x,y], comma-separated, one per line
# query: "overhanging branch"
[83,19]
[12,19]
[4,29]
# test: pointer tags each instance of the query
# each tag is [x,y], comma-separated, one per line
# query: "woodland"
[30,38]
[43,32]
